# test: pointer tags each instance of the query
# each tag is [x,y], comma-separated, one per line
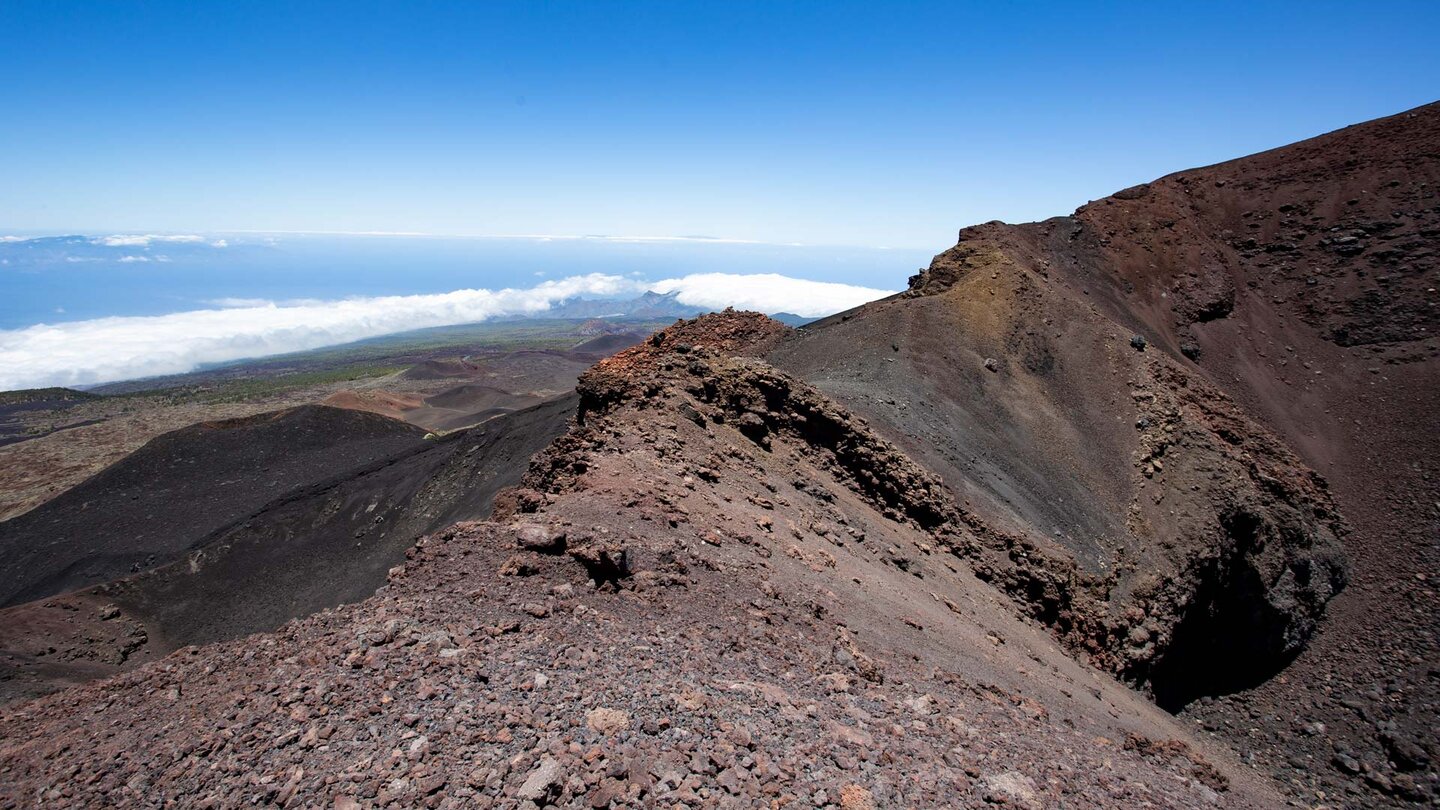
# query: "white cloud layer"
[121,348]
[238,303]
[766,292]
[121,240]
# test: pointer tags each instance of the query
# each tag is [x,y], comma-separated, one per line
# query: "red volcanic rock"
[1282,303]
[643,665]
[892,559]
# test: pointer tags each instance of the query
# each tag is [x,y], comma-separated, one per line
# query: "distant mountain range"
[43,251]
[648,305]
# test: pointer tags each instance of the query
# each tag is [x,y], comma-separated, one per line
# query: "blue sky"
[879,124]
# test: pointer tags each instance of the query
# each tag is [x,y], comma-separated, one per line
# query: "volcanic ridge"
[1131,508]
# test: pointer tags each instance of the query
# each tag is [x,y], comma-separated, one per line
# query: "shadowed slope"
[326,543]
[165,498]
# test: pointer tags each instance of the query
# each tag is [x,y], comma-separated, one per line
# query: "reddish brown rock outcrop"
[1029,363]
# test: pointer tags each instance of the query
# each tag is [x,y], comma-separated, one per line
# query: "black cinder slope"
[327,543]
[165,498]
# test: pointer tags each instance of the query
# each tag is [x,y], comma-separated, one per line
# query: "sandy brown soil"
[385,403]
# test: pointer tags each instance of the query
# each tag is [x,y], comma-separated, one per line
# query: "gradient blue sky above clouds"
[852,123]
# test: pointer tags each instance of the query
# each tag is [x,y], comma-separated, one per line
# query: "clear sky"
[873,123]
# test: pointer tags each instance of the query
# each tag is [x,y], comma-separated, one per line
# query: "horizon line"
[13,237]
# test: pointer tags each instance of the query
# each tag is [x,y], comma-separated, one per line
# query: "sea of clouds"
[90,352]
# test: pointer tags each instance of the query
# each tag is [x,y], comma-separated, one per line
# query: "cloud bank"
[109,349]
[766,292]
[144,240]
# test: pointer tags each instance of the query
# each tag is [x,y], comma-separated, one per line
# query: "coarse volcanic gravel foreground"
[735,625]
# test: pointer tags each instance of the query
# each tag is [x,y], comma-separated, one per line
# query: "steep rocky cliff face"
[1143,516]
[1074,378]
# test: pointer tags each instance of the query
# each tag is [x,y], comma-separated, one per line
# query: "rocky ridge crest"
[680,606]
